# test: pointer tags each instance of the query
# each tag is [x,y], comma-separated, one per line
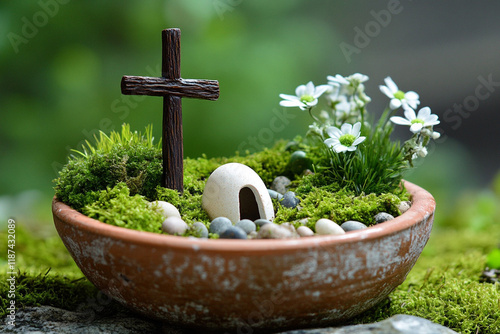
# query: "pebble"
[252,235]
[304,221]
[274,194]
[290,228]
[280,184]
[326,227]
[404,206]
[200,229]
[299,162]
[260,222]
[291,146]
[382,217]
[246,225]
[219,225]
[289,200]
[274,231]
[352,225]
[305,231]
[166,209]
[233,232]
[174,225]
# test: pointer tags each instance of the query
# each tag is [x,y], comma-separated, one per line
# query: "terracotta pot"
[237,284]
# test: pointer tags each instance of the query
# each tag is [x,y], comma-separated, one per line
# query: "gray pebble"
[382,217]
[404,206]
[280,184]
[219,225]
[260,222]
[274,194]
[274,231]
[246,225]
[200,229]
[233,232]
[174,225]
[289,200]
[352,225]
[305,231]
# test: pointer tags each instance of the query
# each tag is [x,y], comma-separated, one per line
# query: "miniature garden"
[321,229]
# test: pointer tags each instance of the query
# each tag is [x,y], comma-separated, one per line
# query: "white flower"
[354,79]
[420,151]
[306,96]
[423,119]
[344,139]
[399,98]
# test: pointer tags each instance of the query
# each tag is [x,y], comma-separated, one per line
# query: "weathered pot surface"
[238,284]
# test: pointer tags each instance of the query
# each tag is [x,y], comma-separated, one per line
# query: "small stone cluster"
[230,179]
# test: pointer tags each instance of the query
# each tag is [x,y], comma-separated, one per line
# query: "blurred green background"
[61,63]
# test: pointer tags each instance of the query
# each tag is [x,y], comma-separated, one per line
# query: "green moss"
[339,206]
[116,207]
[129,157]
[448,293]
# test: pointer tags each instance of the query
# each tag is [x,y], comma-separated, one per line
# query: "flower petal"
[333,132]
[395,104]
[330,142]
[318,91]
[359,141]
[309,88]
[289,97]
[391,85]
[356,129]
[424,113]
[300,90]
[400,120]
[386,91]
[410,114]
[416,127]
[286,103]
[346,128]
[411,95]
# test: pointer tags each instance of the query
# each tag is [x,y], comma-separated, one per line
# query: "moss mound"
[114,180]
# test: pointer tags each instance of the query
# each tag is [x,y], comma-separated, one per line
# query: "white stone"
[174,225]
[326,226]
[166,209]
[305,231]
[274,231]
[235,191]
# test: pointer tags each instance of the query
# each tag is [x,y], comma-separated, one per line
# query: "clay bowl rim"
[423,206]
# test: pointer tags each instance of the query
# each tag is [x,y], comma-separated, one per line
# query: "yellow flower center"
[399,95]
[347,140]
[306,98]
[417,120]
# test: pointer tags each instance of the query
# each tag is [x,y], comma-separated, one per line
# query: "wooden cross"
[172,87]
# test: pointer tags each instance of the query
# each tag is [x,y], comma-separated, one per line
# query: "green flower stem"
[313,117]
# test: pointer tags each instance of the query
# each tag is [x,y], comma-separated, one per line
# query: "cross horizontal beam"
[201,89]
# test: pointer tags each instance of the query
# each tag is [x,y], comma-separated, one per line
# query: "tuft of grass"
[128,157]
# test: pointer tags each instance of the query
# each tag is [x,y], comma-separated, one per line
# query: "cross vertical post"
[172,88]
[172,144]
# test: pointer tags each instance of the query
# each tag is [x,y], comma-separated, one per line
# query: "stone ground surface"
[46,319]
